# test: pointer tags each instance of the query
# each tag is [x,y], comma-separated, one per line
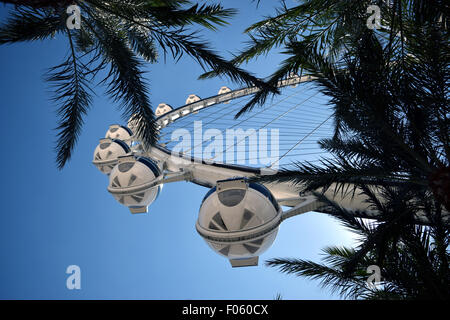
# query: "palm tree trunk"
[439,182]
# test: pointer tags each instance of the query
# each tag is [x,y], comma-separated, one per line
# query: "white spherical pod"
[224,90]
[108,151]
[239,220]
[133,123]
[162,109]
[123,133]
[192,98]
[131,182]
[296,77]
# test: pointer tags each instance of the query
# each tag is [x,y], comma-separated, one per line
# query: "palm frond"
[121,35]
[125,79]
[142,44]
[179,44]
[209,16]
[329,277]
[71,91]
[30,25]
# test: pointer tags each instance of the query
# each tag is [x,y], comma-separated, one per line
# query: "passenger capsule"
[132,182]
[108,151]
[239,220]
[123,133]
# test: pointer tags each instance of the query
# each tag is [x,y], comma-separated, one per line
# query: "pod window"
[231,198]
[126,166]
[217,223]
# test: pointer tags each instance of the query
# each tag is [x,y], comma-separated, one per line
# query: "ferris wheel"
[202,143]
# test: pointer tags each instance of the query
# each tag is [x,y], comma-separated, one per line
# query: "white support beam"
[309,203]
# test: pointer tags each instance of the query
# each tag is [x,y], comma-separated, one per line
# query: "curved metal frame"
[187,109]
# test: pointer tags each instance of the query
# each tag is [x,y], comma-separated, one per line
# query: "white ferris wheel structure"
[238,218]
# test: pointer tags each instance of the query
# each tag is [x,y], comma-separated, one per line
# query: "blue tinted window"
[151,165]
[210,192]
[128,130]
[264,191]
[122,144]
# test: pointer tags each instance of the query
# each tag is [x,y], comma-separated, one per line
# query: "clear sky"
[51,219]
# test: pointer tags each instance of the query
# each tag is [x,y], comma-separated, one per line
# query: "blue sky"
[51,219]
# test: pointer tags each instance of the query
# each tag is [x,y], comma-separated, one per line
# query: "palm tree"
[391,142]
[116,36]
[331,28]
[413,269]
